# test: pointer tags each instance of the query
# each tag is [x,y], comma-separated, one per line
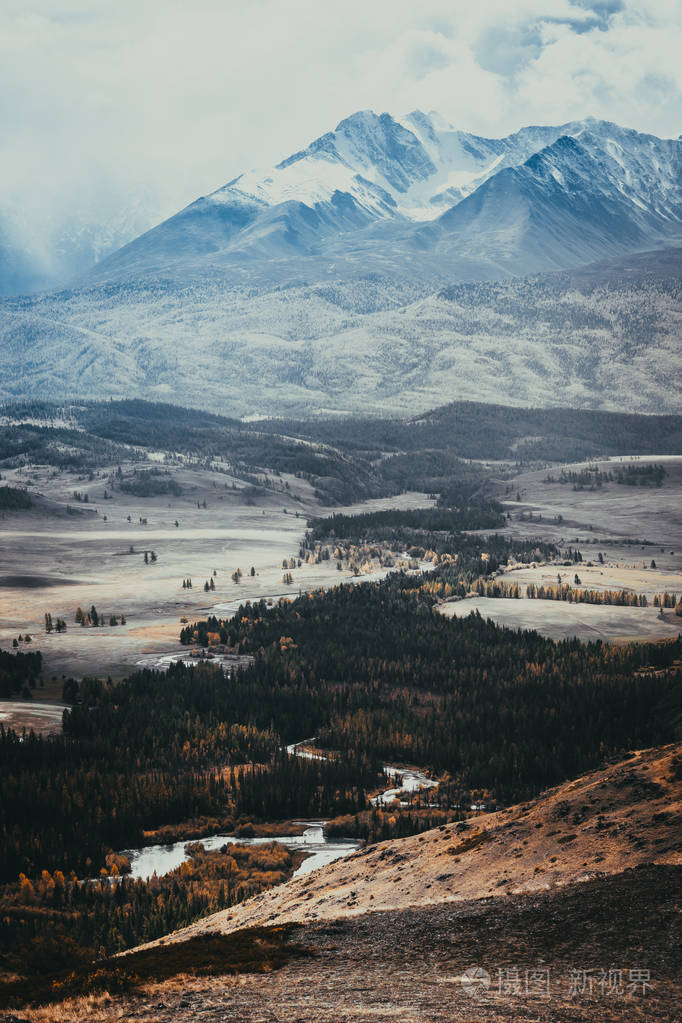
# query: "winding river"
[412,780]
[161,859]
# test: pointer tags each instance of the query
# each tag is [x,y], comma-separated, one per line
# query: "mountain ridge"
[404,170]
[602,337]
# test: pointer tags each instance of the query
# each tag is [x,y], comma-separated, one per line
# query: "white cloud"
[104,101]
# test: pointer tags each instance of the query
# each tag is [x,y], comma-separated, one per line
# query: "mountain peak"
[418,166]
[364,120]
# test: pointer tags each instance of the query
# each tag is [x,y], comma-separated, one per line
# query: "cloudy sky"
[109,106]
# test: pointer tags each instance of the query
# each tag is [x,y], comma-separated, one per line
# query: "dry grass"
[407,965]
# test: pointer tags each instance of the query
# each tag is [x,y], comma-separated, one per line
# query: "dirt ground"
[605,951]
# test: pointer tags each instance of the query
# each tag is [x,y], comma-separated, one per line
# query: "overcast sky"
[106,101]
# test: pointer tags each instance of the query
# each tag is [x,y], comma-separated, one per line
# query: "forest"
[159,748]
[404,526]
[631,475]
[14,499]
[511,712]
[61,447]
[149,483]
[462,560]
[18,671]
[468,429]
[432,529]
[373,671]
[57,921]
[498,588]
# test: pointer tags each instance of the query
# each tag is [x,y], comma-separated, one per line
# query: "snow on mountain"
[316,284]
[416,166]
[377,195]
[419,166]
[597,192]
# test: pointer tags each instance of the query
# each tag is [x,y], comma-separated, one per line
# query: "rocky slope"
[562,910]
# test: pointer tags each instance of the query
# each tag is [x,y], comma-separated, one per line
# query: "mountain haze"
[43,249]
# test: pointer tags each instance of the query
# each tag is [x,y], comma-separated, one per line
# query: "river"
[412,780]
[161,859]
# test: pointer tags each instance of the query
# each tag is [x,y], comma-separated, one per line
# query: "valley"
[196,593]
[589,932]
[340,512]
[194,798]
[90,551]
[591,827]
[83,560]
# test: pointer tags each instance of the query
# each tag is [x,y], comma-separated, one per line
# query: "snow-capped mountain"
[416,197]
[318,284]
[577,200]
